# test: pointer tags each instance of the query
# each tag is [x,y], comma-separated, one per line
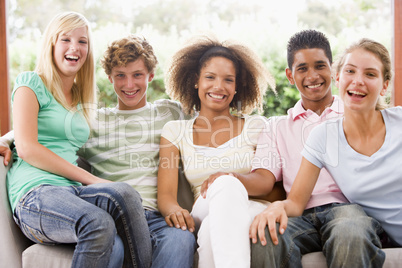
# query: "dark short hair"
[307,39]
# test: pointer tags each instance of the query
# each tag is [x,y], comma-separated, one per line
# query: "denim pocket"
[27,216]
[26,199]
[35,235]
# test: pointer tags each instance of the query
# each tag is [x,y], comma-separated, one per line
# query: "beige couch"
[16,251]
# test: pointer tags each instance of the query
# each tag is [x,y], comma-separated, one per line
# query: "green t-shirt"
[60,130]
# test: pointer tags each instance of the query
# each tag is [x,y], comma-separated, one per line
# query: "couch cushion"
[13,242]
[314,260]
[393,259]
[59,256]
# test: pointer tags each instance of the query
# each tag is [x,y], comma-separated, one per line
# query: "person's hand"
[6,152]
[181,219]
[274,213]
[205,185]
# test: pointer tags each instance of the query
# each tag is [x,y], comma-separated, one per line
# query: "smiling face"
[217,84]
[70,52]
[311,73]
[130,83]
[360,80]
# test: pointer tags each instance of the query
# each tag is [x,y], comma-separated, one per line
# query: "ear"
[151,76]
[196,82]
[110,79]
[384,89]
[289,75]
[337,80]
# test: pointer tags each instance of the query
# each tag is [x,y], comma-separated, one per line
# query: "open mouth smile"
[357,94]
[130,93]
[314,86]
[72,58]
[216,96]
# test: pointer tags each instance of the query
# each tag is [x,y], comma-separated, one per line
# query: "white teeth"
[314,86]
[215,96]
[356,93]
[71,57]
[130,93]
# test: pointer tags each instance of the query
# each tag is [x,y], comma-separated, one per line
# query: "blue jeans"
[343,232]
[172,247]
[105,220]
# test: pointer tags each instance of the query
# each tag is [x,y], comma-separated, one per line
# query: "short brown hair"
[128,49]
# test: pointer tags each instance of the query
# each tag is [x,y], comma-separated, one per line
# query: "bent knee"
[227,183]
[99,227]
[123,193]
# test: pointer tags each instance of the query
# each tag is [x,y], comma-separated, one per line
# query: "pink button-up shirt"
[280,145]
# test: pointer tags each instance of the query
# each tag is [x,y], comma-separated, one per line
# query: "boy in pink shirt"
[345,234]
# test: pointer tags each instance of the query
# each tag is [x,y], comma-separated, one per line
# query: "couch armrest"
[13,242]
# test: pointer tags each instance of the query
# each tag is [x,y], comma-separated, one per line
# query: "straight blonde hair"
[84,88]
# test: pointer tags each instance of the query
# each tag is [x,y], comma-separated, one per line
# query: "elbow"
[25,151]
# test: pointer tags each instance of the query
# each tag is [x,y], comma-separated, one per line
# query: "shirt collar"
[147,106]
[298,110]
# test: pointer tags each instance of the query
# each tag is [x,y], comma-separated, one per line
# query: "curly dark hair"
[126,50]
[252,78]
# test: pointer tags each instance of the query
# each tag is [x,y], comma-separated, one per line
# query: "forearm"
[258,183]
[292,208]
[167,204]
[277,193]
[41,157]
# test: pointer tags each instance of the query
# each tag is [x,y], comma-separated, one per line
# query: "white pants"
[223,220]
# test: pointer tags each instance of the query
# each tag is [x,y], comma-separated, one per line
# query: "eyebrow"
[215,74]
[69,35]
[366,69]
[136,71]
[316,62]
[301,65]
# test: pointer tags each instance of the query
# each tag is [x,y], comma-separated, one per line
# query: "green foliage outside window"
[168,23]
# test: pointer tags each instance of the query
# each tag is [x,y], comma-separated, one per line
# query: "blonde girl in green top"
[51,110]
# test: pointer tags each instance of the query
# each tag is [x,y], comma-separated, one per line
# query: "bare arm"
[294,205]
[259,184]
[277,193]
[25,118]
[168,179]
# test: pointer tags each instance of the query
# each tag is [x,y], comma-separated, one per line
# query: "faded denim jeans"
[172,247]
[343,232]
[102,219]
